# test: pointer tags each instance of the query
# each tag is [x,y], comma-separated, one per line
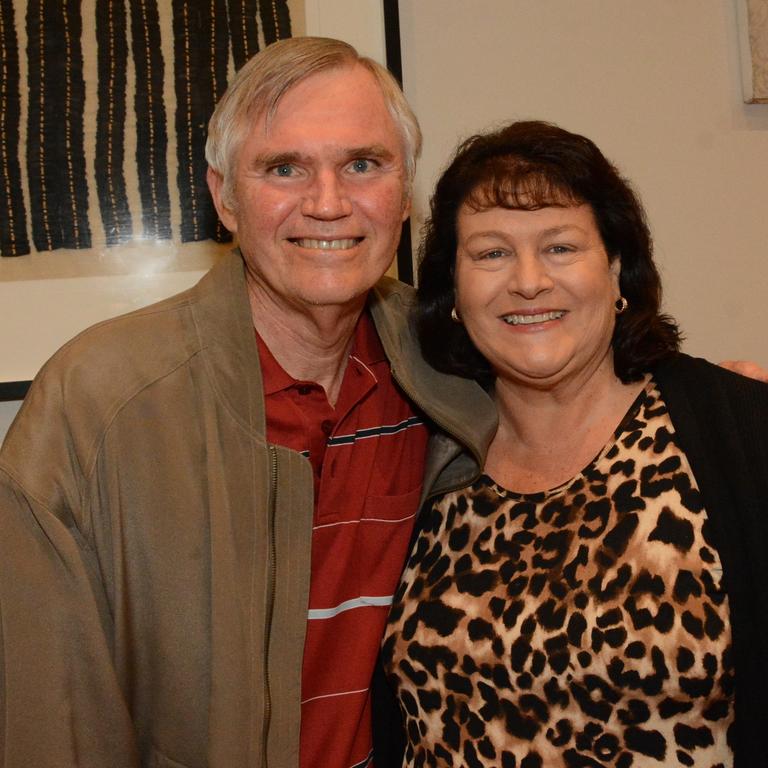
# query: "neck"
[546,436]
[310,343]
[536,414]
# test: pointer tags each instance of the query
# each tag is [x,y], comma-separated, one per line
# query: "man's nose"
[529,276]
[327,198]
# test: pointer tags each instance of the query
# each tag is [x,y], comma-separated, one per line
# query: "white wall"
[656,85]
[7,413]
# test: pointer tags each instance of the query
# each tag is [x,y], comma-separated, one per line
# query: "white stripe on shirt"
[363,601]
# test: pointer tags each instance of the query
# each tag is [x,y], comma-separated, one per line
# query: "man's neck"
[310,344]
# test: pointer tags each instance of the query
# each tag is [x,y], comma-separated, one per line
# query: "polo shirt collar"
[366,348]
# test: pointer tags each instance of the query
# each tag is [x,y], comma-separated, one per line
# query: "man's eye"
[361,165]
[284,169]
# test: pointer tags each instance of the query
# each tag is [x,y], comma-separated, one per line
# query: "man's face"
[319,192]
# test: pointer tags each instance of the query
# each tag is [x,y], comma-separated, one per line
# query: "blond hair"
[269,75]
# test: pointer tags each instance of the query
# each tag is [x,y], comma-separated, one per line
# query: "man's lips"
[530,318]
[336,244]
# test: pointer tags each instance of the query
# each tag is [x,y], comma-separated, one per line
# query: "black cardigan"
[722,424]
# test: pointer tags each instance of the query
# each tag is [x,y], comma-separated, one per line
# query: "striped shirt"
[367,454]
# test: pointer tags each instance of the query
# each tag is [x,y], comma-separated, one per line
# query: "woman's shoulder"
[706,399]
[695,374]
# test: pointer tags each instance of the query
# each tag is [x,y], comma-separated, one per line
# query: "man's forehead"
[315,85]
[342,109]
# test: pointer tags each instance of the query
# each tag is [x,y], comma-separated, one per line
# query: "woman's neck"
[547,435]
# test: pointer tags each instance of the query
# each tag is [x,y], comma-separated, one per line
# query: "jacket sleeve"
[60,700]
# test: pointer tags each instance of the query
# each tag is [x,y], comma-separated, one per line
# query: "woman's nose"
[530,276]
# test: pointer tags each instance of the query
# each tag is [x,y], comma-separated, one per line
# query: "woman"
[592,599]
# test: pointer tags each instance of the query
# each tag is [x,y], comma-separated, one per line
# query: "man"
[185,482]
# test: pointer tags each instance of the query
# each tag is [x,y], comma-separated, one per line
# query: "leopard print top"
[582,626]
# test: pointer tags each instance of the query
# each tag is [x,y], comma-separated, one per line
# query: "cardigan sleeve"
[721,420]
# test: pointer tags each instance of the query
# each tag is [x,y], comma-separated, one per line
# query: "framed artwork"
[102,131]
[752,19]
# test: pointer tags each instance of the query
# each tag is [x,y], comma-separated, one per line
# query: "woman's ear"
[615,269]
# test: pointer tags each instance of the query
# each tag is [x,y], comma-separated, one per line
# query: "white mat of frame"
[103,114]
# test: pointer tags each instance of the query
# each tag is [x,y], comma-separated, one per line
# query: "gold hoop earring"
[620,305]
[455,315]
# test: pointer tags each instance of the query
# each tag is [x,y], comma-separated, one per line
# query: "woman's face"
[536,292]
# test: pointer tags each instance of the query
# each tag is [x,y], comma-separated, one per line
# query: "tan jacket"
[155,550]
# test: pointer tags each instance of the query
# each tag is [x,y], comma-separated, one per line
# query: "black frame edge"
[13,390]
[395,66]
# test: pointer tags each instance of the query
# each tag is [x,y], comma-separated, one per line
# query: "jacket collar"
[222,316]
[223,321]
[460,407]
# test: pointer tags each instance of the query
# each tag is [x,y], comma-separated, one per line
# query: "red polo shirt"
[367,454]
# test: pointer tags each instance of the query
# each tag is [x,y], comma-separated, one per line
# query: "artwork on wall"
[104,116]
[752,18]
[103,112]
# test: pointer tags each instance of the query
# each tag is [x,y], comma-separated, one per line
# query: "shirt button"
[327,427]
[304,389]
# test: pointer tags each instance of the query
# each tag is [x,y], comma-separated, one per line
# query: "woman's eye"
[495,254]
[557,249]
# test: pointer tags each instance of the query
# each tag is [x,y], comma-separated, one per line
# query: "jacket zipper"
[270,606]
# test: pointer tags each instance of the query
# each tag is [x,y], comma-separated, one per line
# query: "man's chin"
[335,292]
[334,296]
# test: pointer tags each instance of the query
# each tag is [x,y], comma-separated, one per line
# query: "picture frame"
[48,297]
[752,30]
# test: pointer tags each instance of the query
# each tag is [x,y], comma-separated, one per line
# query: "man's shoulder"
[397,299]
[126,350]
[120,373]
[388,287]
[459,405]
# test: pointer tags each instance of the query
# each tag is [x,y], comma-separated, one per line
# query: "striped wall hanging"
[104,106]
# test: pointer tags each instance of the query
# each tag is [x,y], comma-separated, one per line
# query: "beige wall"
[656,84]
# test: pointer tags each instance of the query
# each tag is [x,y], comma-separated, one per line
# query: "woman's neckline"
[539,495]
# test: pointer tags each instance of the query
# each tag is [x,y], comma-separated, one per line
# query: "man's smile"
[326,245]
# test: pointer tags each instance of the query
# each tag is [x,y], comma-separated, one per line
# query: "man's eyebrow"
[272,159]
[372,150]
[269,159]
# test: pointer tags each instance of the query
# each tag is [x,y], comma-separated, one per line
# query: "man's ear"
[216,186]
[407,204]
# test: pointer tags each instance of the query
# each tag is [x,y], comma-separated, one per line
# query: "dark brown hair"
[529,165]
